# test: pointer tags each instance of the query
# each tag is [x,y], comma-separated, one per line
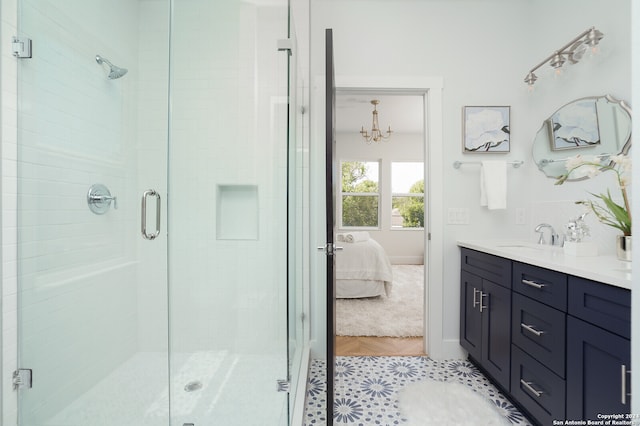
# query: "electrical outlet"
[521,216]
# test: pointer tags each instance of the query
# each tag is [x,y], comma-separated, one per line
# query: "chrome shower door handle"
[145,195]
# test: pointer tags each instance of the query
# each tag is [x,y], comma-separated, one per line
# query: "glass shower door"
[186,99]
[228,213]
[92,295]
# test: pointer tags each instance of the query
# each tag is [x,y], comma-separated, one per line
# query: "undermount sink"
[528,246]
[520,245]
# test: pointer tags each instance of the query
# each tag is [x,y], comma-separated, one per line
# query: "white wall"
[483,50]
[403,246]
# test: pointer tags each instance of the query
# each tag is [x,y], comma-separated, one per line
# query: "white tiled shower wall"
[79,272]
[229,127]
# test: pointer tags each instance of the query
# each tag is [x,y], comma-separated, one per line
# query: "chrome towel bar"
[457,164]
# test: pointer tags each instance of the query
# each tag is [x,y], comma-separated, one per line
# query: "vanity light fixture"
[376,135]
[571,52]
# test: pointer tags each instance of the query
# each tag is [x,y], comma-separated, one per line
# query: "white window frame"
[404,194]
[366,194]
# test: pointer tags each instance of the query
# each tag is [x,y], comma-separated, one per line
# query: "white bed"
[362,270]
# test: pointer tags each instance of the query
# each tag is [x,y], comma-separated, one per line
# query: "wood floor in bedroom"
[379,346]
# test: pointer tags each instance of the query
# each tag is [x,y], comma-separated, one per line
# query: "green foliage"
[608,211]
[411,208]
[354,178]
[358,210]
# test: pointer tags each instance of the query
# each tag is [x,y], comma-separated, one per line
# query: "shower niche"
[237,212]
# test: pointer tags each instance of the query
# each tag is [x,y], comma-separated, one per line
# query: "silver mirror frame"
[544,157]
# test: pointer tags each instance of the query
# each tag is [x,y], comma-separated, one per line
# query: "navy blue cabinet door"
[496,332]
[470,316]
[595,379]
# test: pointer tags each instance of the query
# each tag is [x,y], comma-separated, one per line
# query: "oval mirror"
[592,126]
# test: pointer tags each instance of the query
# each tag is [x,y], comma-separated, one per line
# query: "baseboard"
[297,411]
[446,349]
[451,349]
[406,260]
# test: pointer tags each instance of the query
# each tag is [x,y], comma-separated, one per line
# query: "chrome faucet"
[555,238]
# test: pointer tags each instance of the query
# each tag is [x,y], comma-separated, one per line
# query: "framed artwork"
[574,126]
[486,129]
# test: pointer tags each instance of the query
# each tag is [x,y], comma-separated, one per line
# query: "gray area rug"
[399,315]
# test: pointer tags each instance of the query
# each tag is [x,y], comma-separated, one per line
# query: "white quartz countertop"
[606,269]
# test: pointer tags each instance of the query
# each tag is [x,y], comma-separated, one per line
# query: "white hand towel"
[356,237]
[493,184]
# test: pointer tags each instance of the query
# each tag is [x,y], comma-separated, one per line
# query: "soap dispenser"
[576,231]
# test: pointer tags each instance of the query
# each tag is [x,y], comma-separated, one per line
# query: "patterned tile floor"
[366,388]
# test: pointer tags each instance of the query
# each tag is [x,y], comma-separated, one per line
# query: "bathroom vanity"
[551,330]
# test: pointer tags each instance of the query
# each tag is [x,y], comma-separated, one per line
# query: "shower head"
[114,71]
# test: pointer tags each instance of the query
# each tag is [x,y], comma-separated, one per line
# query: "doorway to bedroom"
[380,221]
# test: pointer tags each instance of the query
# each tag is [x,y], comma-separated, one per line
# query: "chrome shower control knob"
[99,199]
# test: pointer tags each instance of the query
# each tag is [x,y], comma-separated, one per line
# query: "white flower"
[573,162]
[592,170]
[623,162]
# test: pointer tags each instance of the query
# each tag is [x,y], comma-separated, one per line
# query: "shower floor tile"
[230,391]
[366,388]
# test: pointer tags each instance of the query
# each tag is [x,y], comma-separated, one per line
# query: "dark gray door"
[330,215]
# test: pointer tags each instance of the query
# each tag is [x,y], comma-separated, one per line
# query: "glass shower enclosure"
[157,214]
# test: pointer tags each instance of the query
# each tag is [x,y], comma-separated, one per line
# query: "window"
[360,194]
[407,195]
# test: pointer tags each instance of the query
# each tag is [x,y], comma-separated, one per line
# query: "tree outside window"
[407,200]
[360,194]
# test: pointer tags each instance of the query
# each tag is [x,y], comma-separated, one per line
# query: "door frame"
[430,88]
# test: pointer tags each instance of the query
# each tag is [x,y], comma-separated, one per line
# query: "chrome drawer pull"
[530,388]
[533,284]
[530,329]
[475,300]
[624,372]
[483,307]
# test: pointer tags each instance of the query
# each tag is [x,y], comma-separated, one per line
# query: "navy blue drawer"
[600,304]
[543,285]
[493,268]
[541,392]
[540,331]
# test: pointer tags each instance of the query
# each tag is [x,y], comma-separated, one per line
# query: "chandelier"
[571,52]
[376,135]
